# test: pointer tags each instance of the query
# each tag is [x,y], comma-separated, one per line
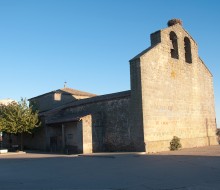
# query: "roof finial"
[65,84]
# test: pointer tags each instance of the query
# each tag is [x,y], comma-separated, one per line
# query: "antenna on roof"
[65,84]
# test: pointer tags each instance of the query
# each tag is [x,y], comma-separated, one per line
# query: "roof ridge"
[79,92]
[90,100]
[68,90]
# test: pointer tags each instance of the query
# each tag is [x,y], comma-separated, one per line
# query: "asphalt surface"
[197,168]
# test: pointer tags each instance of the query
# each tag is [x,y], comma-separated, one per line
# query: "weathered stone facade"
[56,98]
[109,118]
[171,95]
[66,127]
[174,96]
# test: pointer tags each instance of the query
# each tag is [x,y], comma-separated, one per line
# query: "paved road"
[197,168]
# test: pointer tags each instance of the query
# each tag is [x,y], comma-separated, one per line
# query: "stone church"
[171,95]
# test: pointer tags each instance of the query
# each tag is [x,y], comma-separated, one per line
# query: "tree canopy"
[18,118]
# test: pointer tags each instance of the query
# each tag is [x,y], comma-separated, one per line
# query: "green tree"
[18,118]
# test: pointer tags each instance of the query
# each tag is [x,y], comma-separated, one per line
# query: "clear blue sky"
[88,43]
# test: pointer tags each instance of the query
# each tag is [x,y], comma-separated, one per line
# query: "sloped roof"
[77,92]
[63,119]
[68,91]
[142,53]
[205,66]
[106,97]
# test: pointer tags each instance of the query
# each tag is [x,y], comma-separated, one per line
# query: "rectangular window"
[57,96]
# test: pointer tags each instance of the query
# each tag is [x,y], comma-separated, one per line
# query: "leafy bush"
[175,143]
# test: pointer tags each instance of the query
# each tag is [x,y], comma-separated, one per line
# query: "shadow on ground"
[112,171]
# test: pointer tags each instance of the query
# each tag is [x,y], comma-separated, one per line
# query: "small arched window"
[188,54]
[174,45]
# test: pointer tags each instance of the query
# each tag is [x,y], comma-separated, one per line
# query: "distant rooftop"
[68,91]
[101,98]
[6,101]
[77,92]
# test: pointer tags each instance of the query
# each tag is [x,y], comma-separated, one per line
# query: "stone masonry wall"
[48,101]
[136,112]
[84,131]
[177,97]
[110,119]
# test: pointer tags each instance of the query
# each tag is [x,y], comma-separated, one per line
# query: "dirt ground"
[197,168]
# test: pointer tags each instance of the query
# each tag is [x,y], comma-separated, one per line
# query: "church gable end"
[176,92]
